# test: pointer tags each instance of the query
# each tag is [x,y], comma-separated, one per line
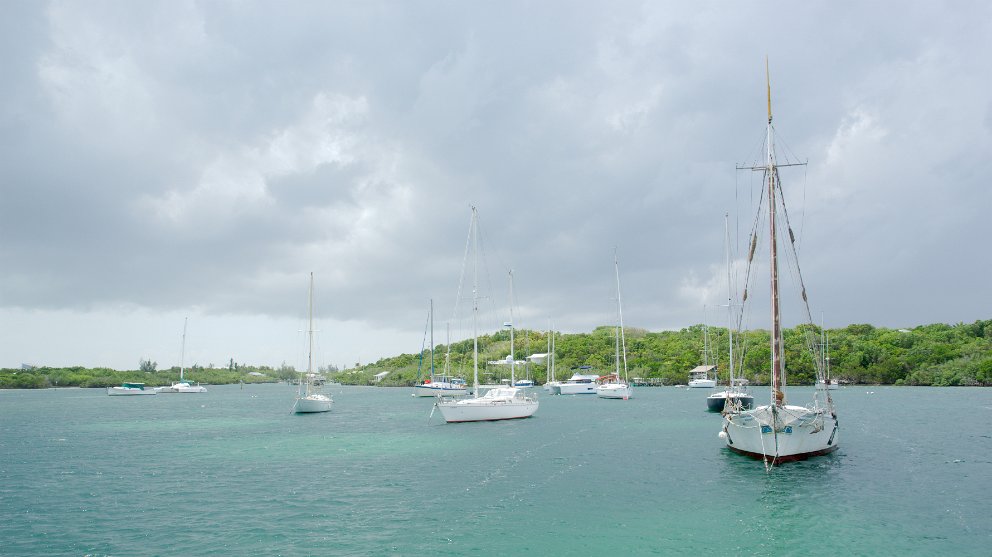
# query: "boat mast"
[182,351]
[432,340]
[310,335]
[447,348]
[513,358]
[553,340]
[548,376]
[621,341]
[730,302]
[771,171]
[706,342]
[475,301]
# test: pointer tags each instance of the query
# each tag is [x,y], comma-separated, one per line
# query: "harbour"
[234,472]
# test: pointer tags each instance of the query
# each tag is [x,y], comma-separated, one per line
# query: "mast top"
[768,84]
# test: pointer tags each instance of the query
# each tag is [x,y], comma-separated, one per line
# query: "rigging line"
[488,300]
[461,276]
[802,217]
[420,362]
[811,345]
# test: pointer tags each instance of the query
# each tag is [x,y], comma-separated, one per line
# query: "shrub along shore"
[937,354]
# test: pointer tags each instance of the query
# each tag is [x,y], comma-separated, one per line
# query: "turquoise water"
[232,472]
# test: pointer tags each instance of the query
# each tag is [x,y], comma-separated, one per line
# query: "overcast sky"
[168,159]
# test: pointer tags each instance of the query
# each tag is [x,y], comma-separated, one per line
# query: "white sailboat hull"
[497,404]
[313,403]
[553,387]
[702,383]
[781,434]
[438,389]
[615,390]
[187,388]
[577,389]
[182,387]
[123,391]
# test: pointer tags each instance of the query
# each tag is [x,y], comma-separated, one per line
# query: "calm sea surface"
[232,472]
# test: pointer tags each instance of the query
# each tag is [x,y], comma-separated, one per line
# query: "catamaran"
[781,432]
[130,389]
[183,386]
[501,403]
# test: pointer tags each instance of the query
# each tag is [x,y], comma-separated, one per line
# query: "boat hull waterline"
[125,391]
[497,404]
[615,391]
[781,434]
[313,404]
[438,390]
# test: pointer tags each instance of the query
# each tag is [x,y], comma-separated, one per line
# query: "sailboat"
[183,386]
[735,397]
[699,376]
[499,403]
[826,382]
[438,384]
[613,385]
[309,398]
[781,432]
[551,384]
[524,382]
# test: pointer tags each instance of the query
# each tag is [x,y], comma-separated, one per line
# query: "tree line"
[936,354]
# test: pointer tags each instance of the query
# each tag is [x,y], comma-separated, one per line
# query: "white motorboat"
[309,399]
[130,389]
[781,432]
[501,403]
[613,386]
[699,377]
[579,384]
[183,386]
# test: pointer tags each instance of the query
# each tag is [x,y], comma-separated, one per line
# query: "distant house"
[256,374]
[537,358]
[379,376]
[506,362]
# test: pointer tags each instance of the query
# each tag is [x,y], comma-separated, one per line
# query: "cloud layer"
[162,159]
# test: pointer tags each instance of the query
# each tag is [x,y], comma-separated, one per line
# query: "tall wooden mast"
[771,173]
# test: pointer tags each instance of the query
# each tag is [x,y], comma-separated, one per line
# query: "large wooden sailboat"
[781,432]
